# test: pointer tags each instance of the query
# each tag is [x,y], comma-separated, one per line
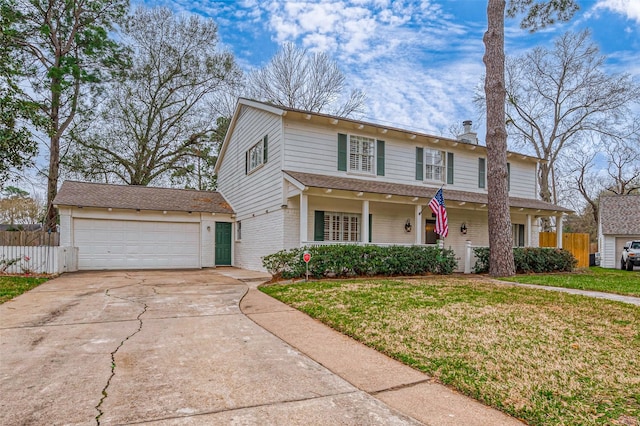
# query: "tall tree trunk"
[54,156]
[500,234]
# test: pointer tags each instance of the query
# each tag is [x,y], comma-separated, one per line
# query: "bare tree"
[555,97]
[621,176]
[154,121]
[298,79]
[538,15]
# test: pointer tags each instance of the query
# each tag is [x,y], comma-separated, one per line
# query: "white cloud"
[629,8]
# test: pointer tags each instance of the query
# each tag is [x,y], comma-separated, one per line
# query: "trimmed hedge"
[530,259]
[351,260]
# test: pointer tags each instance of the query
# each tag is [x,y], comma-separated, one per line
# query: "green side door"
[223,244]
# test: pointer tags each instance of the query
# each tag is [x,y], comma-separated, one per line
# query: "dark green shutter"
[508,176]
[380,158]
[450,168]
[370,227]
[342,152]
[520,235]
[318,226]
[264,150]
[246,163]
[419,165]
[481,172]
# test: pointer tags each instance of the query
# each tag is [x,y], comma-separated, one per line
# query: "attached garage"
[133,227]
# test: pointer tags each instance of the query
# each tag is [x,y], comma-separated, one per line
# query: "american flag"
[437,206]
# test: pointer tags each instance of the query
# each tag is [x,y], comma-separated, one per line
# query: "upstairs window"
[256,156]
[482,173]
[433,165]
[361,154]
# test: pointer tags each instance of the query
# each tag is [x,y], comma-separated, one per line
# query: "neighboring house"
[618,223]
[137,227]
[295,178]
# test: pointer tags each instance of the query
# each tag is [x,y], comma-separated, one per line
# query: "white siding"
[261,235]
[260,190]
[312,148]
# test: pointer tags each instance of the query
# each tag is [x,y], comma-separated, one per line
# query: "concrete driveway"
[160,347]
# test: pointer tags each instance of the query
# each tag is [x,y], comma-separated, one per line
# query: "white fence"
[38,259]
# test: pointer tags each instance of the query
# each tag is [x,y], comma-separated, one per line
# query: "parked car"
[630,255]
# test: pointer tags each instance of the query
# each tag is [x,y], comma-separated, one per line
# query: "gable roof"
[619,215]
[334,120]
[85,194]
[377,187]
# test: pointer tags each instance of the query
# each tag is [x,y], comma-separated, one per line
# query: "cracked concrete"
[161,347]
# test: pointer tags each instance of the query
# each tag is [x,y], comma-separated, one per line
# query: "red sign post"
[306,256]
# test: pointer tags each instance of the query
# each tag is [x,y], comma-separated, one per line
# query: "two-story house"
[296,178]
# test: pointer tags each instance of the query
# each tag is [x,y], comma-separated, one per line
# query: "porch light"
[407,225]
[463,228]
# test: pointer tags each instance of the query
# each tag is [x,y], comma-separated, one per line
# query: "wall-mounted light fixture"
[463,228]
[407,225]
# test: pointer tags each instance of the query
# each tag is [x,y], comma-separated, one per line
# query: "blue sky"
[419,61]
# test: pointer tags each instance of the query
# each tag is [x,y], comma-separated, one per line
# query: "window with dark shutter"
[419,164]
[380,158]
[450,168]
[342,152]
[318,226]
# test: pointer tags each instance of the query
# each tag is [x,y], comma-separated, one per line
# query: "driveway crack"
[113,354]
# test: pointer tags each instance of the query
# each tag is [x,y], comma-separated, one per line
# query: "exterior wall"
[312,148]
[388,223]
[261,235]
[260,190]
[206,221]
[291,226]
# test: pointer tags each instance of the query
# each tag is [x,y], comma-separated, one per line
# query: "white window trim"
[331,228]
[258,147]
[442,166]
[373,157]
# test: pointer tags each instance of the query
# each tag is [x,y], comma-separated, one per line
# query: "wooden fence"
[29,238]
[577,244]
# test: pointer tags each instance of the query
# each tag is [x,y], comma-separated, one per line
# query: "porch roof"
[379,187]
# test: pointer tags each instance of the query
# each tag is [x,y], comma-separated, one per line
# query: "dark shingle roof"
[619,215]
[377,187]
[86,194]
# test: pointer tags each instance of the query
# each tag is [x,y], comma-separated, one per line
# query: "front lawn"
[545,357]
[13,285]
[595,279]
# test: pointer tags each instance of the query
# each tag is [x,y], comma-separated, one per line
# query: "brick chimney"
[469,135]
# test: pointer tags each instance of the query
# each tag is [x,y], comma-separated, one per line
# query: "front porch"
[328,214]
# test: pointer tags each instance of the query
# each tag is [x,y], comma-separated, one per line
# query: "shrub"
[350,260]
[530,259]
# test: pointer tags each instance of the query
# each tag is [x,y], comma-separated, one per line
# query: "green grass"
[595,279]
[545,357]
[12,285]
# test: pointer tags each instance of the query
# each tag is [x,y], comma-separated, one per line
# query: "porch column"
[529,233]
[365,222]
[417,225]
[304,214]
[559,231]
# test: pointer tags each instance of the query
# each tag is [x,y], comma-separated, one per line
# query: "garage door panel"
[121,244]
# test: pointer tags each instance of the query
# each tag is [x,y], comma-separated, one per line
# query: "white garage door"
[123,244]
